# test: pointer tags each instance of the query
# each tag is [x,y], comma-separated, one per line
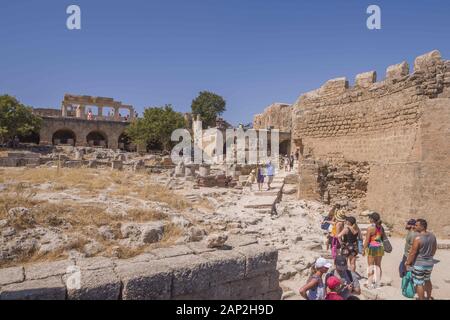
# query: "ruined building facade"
[86,121]
[382,146]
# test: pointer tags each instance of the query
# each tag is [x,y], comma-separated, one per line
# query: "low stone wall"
[19,159]
[184,272]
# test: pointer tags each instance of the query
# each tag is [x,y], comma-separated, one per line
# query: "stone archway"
[64,137]
[97,139]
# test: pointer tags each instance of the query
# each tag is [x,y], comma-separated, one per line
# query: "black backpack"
[348,272]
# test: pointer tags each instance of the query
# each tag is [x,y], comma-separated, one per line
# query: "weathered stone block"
[225,266]
[43,289]
[191,274]
[249,287]
[423,62]
[366,79]
[145,280]
[100,284]
[335,85]
[116,165]
[259,259]
[397,71]
[11,275]
[47,269]
[9,162]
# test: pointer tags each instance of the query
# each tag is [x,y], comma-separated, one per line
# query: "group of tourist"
[346,242]
[288,163]
[260,174]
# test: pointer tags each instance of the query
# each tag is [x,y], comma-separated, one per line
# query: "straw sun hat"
[340,216]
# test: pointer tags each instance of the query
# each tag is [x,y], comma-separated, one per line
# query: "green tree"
[16,119]
[156,127]
[208,105]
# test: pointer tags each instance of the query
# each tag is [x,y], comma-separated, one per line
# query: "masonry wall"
[277,115]
[400,126]
[187,272]
[81,128]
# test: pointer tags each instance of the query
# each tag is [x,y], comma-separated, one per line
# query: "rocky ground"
[49,213]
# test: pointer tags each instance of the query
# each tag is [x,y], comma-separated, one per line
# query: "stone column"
[100,111]
[131,110]
[82,112]
[116,113]
[78,112]
[64,110]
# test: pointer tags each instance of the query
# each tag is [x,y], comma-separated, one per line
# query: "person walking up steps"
[349,241]
[374,249]
[315,289]
[287,163]
[410,236]
[421,261]
[259,177]
[270,172]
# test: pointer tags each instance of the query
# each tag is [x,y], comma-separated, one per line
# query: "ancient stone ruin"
[382,145]
[187,272]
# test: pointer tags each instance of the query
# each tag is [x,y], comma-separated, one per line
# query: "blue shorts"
[420,274]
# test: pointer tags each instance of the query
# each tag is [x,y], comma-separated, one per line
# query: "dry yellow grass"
[159,193]
[88,179]
[81,219]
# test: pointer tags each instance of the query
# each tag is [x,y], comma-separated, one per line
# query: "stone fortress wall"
[277,115]
[183,272]
[394,133]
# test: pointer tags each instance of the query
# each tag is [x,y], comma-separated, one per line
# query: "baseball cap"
[333,282]
[323,263]
[341,263]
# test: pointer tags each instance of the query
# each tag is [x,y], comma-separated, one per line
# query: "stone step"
[266,193]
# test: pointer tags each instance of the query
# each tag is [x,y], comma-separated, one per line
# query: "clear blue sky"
[252,52]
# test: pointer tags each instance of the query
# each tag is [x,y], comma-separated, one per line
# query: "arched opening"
[97,139]
[32,138]
[64,137]
[125,143]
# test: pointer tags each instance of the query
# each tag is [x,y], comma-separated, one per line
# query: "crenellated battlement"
[392,137]
[430,76]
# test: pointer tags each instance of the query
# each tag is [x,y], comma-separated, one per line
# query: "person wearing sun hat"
[338,226]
